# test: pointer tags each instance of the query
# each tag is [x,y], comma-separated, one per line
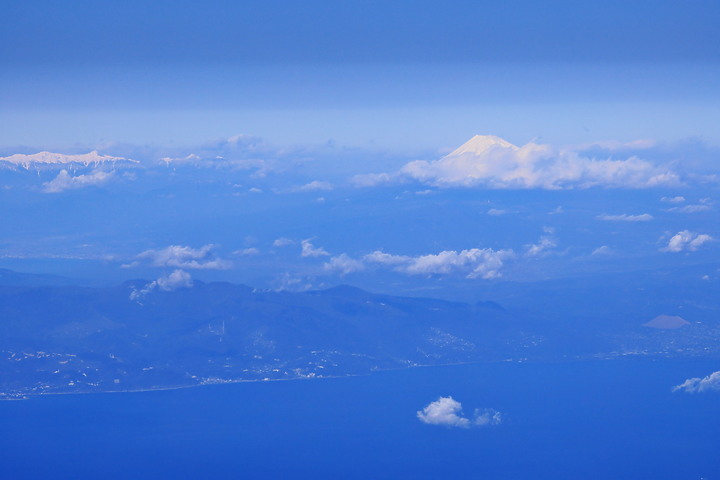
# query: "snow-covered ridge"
[50,159]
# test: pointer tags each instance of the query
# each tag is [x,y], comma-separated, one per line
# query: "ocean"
[611,419]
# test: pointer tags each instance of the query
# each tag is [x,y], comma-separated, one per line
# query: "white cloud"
[491,162]
[677,199]
[343,264]
[686,240]
[177,279]
[208,160]
[644,217]
[185,257]
[65,181]
[485,263]
[373,179]
[314,186]
[496,211]
[168,283]
[288,282]
[691,208]
[191,158]
[387,259]
[283,242]
[308,250]
[487,416]
[447,412]
[544,245]
[247,252]
[244,139]
[614,145]
[698,385]
[52,159]
[603,250]
[444,411]
[475,262]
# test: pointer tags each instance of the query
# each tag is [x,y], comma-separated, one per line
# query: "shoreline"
[27,396]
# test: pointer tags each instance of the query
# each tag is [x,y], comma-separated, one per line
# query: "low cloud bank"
[483,263]
[472,263]
[65,181]
[698,385]
[179,256]
[491,162]
[167,283]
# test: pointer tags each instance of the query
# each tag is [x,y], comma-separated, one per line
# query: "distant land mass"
[60,338]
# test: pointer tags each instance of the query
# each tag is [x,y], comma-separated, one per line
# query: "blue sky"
[359,31]
[398,75]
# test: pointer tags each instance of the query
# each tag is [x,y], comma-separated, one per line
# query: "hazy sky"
[399,75]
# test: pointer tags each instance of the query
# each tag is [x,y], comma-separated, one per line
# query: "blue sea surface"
[615,419]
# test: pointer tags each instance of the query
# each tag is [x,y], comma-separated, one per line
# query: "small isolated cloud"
[491,162]
[283,242]
[542,247]
[65,181]
[308,250]
[168,283]
[486,416]
[686,240]
[289,283]
[179,256]
[644,217]
[191,158]
[496,211]
[244,140]
[678,199]
[343,264]
[247,252]
[373,179]
[314,186]
[698,385]
[447,412]
[603,250]
[177,279]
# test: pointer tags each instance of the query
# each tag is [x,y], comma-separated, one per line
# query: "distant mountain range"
[63,338]
[53,160]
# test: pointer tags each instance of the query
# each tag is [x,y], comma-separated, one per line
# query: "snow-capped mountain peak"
[480,144]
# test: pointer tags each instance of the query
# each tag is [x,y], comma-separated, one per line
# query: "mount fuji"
[481,144]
